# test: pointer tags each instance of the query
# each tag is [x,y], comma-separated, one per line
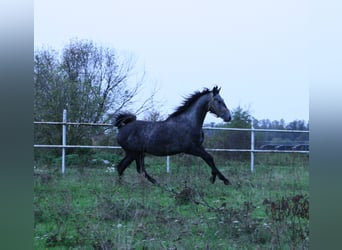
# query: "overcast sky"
[257,51]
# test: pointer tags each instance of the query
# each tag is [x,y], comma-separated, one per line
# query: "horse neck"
[196,113]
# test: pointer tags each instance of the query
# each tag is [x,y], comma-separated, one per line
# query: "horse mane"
[188,101]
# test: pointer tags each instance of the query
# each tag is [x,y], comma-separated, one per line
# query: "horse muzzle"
[225,115]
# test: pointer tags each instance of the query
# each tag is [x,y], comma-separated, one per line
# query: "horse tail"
[124,118]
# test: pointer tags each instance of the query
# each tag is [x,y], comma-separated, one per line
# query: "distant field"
[90,208]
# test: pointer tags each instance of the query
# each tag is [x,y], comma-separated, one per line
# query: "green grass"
[90,208]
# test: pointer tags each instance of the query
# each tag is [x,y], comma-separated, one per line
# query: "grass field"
[90,208]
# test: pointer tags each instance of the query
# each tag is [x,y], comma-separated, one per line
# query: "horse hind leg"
[124,163]
[140,162]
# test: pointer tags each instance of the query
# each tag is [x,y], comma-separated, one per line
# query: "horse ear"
[216,90]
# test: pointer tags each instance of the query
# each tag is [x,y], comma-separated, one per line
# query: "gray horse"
[181,132]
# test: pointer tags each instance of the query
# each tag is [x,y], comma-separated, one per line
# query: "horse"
[181,132]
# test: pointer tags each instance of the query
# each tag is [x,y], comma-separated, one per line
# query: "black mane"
[188,102]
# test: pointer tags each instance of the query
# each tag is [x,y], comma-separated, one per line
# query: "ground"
[89,207]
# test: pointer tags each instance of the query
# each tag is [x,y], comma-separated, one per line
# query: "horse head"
[217,105]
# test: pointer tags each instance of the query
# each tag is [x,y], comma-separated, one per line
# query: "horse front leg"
[140,162]
[210,161]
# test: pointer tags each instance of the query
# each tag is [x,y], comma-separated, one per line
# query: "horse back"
[156,138]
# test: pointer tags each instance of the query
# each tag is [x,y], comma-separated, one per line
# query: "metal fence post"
[252,148]
[168,164]
[64,139]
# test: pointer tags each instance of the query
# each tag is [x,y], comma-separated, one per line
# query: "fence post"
[64,139]
[252,147]
[168,164]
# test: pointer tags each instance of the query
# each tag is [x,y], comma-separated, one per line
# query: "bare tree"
[98,81]
[90,81]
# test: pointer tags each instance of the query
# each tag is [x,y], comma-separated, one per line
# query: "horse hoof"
[227,182]
[153,181]
[212,179]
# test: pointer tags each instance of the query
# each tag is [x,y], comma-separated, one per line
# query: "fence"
[252,149]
